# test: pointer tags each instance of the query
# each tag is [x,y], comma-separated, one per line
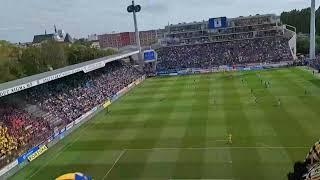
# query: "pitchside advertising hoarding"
[24,157]
[8,167]
[35,152]
[40,151]
[32,153]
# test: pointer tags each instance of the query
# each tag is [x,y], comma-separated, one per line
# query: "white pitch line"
[212,148]
[60,151]
[120,155]
[221,140]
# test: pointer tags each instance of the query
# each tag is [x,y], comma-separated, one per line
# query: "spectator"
[67,98]
[210,55]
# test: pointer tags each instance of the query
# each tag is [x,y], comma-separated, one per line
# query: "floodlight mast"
[134,9]
[312,51]
[136,26]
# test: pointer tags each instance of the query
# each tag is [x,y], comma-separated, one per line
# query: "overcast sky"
[21,19]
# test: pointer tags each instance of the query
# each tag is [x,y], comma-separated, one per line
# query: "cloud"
[11,28]
[296,1]
[21,19]
[155,7]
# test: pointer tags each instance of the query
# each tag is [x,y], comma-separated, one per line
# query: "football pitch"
[178,127]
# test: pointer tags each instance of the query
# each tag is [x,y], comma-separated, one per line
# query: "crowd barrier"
[58,135]
[251,67]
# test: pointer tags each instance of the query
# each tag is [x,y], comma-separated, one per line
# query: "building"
[58,36]
[147,38]
[92,37]
[109,40]
[119,40]
[43,37]
[220,28]
[95,44]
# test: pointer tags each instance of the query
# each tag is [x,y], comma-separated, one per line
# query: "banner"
[77,121]
[114,98]
[50,139]
[62,130]
[131,85]
[56,134]
[122,91]
[94,66]
[69,126]
[8,167]
[18,88]
[26,155]
[36,154]
[93,110]
[173,74]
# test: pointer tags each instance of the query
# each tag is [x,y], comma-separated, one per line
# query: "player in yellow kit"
[230,139]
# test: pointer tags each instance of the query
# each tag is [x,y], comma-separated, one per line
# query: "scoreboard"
[215,23]
[150,55]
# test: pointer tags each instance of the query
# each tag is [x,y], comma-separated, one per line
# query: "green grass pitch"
[177,128]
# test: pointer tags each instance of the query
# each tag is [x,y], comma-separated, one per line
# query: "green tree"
[20,62]
[303,45]
[53,55]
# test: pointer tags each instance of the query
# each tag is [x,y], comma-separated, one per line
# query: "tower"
[312,31]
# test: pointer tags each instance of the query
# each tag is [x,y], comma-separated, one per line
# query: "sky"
[20,20]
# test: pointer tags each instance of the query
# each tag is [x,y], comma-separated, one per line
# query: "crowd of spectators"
[19,131]
[149,69]
[8,143]
[72,96]
[315,63]
[67,98]
[209,55]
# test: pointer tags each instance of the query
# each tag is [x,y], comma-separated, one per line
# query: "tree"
[20,62]
[53,55]
[31,61]
[301,20]
[303,45]
[6,75]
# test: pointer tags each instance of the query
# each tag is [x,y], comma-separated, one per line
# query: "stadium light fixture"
[135,9]
[312,51]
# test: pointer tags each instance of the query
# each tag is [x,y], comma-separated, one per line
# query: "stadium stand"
[259,39]
[19,131]
[23,127]
[31,114]
[258,19]
[209,55]
[309,169]
[73,96]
